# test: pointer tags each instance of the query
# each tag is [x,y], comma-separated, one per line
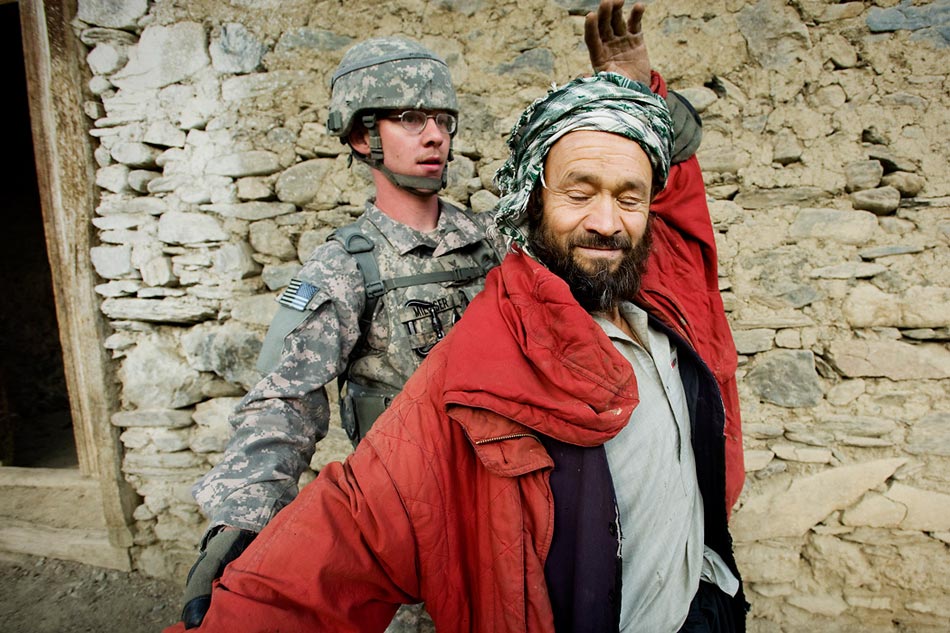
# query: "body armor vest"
[404,316]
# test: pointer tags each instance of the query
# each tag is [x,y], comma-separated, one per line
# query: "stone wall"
[825,156]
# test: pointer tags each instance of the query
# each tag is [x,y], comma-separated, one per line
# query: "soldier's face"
[414,154]
[593,227]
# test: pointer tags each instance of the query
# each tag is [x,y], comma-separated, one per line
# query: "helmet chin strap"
[417,185]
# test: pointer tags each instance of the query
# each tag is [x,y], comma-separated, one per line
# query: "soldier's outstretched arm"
[276,428]
[279,421]
[272,444]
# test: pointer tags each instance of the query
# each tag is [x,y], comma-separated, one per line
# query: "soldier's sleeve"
[278,423]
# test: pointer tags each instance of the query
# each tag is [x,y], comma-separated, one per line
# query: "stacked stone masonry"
[825,155]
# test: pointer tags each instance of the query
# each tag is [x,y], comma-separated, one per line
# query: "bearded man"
[562,460]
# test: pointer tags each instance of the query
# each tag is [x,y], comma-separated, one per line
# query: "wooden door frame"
[65,170]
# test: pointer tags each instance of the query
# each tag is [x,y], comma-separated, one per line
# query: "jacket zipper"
[500,438]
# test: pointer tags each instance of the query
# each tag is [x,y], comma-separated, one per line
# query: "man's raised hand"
[615,45]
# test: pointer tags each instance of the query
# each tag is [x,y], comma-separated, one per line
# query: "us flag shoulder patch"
[297,294]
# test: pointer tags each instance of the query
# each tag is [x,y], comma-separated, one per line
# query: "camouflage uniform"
[279,421]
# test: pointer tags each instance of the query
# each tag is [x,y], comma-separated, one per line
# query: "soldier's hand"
[615,45]
[222,547]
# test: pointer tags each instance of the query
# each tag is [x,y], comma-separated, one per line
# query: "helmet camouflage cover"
[388,73]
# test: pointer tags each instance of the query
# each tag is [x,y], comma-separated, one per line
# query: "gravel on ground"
[44,595]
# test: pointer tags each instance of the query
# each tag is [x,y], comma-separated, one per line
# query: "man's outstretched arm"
[685,234]
[340,558]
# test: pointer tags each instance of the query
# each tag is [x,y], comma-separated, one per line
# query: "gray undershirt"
[654,472]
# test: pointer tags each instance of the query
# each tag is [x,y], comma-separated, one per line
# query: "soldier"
[371,302]
[366,307]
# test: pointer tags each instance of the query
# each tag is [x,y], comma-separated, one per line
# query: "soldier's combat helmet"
[388,73]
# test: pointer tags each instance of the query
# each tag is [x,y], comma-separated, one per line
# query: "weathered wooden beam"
[88,546]
[65,175]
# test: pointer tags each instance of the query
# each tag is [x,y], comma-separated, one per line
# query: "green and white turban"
[606,102]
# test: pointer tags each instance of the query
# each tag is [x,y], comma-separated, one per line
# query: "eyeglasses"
[415,121]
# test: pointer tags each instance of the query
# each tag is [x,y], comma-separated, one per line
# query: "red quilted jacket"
[447,499]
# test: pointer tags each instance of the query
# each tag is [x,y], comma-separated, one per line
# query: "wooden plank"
[91,547]
[45,478]
[65,173]
[56,498]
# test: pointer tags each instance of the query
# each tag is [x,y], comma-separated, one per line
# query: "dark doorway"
[35,423]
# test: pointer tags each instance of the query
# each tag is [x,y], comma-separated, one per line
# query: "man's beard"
[598,289]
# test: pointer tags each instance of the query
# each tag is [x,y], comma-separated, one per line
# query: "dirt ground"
[43,595]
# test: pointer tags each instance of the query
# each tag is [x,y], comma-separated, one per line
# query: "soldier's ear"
[359,139]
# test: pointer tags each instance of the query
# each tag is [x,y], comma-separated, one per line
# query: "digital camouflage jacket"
[278,423]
